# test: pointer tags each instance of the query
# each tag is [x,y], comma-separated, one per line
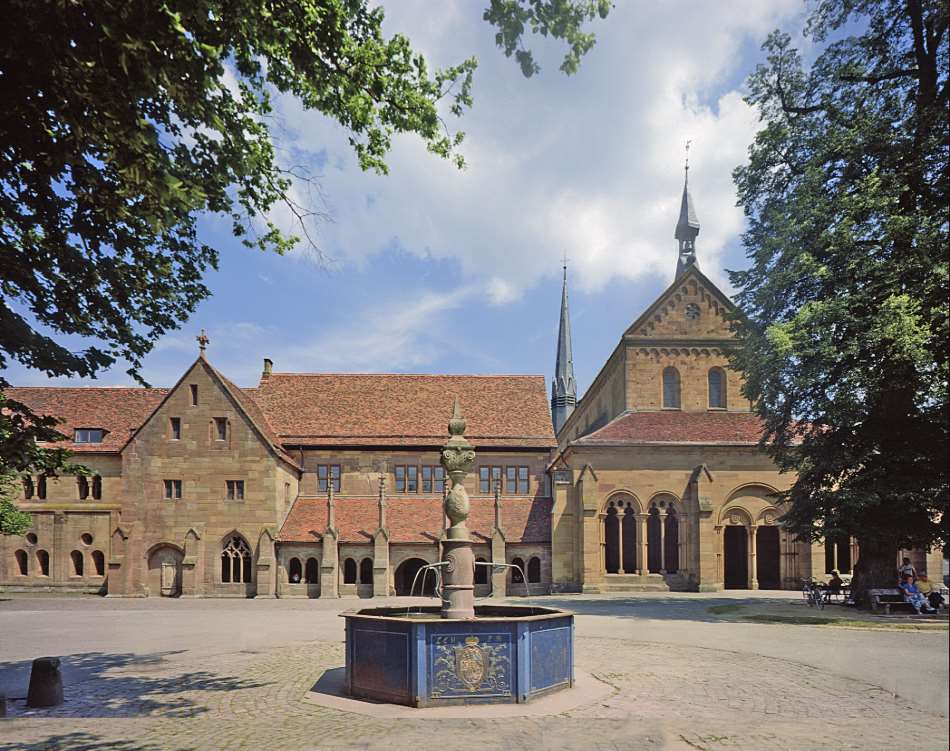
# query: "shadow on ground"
[96,684]
[654,608]
[78,742]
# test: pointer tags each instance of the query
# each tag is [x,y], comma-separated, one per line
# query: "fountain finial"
[458,456]
[456,422]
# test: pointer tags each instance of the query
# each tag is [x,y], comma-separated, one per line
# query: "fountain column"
[458,588]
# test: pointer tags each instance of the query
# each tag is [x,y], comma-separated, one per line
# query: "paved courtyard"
[226,674]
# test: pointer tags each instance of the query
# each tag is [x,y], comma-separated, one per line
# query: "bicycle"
[813,594]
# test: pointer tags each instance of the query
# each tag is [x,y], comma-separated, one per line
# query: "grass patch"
[724,609]
[817,620]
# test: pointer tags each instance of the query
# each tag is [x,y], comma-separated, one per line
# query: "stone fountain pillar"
[458,575]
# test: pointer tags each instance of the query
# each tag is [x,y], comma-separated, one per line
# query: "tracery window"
[717,388]
[671,388]
[236,561]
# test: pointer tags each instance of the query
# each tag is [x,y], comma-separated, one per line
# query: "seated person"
[835,583]
[906,569]
[913,596]
[930,591]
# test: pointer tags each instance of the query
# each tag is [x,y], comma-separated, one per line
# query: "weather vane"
[202,340]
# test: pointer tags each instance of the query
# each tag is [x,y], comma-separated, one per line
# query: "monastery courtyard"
[693,671]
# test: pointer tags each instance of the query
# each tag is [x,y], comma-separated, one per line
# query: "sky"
[436,270]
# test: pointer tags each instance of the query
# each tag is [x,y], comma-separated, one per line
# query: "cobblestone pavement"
[675,696]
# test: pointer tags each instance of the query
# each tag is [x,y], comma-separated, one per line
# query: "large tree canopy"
[844,343]
[123,121]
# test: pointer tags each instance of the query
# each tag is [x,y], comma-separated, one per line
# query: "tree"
[843,343]
[126,120]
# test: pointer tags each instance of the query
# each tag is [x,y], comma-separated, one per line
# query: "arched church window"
[534,570]
[22,562]
[349,571]
[312,571]
[366,571]
[517,574]
[671,542]
[28,487]
[671,388]
[717,388]
[236,561]
[481,572]
[76,558]
[42,557]
[294,571]
[99,561]
[654,542]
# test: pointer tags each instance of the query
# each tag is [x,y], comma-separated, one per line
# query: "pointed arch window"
[312,571]
[294,571]
[349,571]
[22,562]
[717,388]
[366,571]
[671,388]
[236,561]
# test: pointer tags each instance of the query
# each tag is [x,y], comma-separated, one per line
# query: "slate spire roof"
[687,228]
[563,387]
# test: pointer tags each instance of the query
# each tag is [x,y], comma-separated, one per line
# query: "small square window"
[194,394]
[427,479]
[328,470]
[173,490]
[221,428]
[400,472]
[511,479]
[174,428]
[88,435]
[412,479]
[484,479]
[522,481]
[235,490]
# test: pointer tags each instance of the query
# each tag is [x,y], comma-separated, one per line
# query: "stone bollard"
[46,683]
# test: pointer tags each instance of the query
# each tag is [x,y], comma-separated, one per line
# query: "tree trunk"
[876,569]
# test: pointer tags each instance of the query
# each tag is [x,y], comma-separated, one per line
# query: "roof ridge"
[411,375]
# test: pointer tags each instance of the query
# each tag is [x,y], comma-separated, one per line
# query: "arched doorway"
[767,558]
[735,548]
[654,542]
[164,571]
[406,572]
[612,540]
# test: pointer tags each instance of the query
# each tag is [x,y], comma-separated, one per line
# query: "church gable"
[691,308]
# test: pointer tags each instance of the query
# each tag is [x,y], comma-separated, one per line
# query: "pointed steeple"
[563,387]
[687,227]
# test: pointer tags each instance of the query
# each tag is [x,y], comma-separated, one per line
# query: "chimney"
[268,368]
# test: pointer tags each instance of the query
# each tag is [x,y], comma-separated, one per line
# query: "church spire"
[563,387]
[687,227]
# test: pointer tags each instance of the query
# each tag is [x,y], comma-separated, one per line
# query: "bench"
[888,599]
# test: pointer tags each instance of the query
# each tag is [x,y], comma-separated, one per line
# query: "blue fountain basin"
[507,654]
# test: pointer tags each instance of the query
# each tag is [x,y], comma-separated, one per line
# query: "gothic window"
[41,488]
[96,488]
[235,490]
[717,388]
[172,489]
[312,571]
[83,483]
[534,570]
[76,559]
[628,539]
[349,571]
[174,428]
[294,571]
[323,472]
[22,562]
[236,561]
[671,542]
[99,562]
[42,558]
[28,488]
[481,572]
[366,571]
[671,388]
[612,539]
[517,573]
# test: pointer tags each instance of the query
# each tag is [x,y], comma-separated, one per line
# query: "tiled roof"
[736,428]
[416,519]
[398,409]
[116,410]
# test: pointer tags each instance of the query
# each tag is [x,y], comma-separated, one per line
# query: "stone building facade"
[308,485]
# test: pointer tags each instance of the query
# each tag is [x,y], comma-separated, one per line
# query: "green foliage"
[559,19]
[846,299]
[124,121]
[12,520]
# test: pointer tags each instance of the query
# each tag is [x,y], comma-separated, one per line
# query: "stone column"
[753,574]
[458,590]
[619,544]
[642,542]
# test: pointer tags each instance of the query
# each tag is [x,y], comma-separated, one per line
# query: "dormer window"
[89,435]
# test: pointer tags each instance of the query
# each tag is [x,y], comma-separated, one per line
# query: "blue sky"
[435,270]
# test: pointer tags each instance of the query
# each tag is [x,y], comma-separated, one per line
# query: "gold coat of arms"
[471,664]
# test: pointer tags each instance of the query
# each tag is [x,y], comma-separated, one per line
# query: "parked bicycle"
[813,593]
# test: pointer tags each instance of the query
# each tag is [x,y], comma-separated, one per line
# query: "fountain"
[459,653]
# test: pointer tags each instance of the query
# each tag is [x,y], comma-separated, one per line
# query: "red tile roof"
[735,428]
[116,410]
[398,409]
[416,519]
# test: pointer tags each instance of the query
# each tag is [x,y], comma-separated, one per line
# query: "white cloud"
[590,164]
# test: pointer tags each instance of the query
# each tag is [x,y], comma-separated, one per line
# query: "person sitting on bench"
[928,590]
[835,583]
[913,596]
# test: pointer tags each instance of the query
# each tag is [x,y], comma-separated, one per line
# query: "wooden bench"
[888,599]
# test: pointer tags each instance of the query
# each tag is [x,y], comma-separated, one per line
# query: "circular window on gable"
[692,311]
[31,538]
[86,539]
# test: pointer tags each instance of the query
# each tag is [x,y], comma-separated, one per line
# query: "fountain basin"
[507,654]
